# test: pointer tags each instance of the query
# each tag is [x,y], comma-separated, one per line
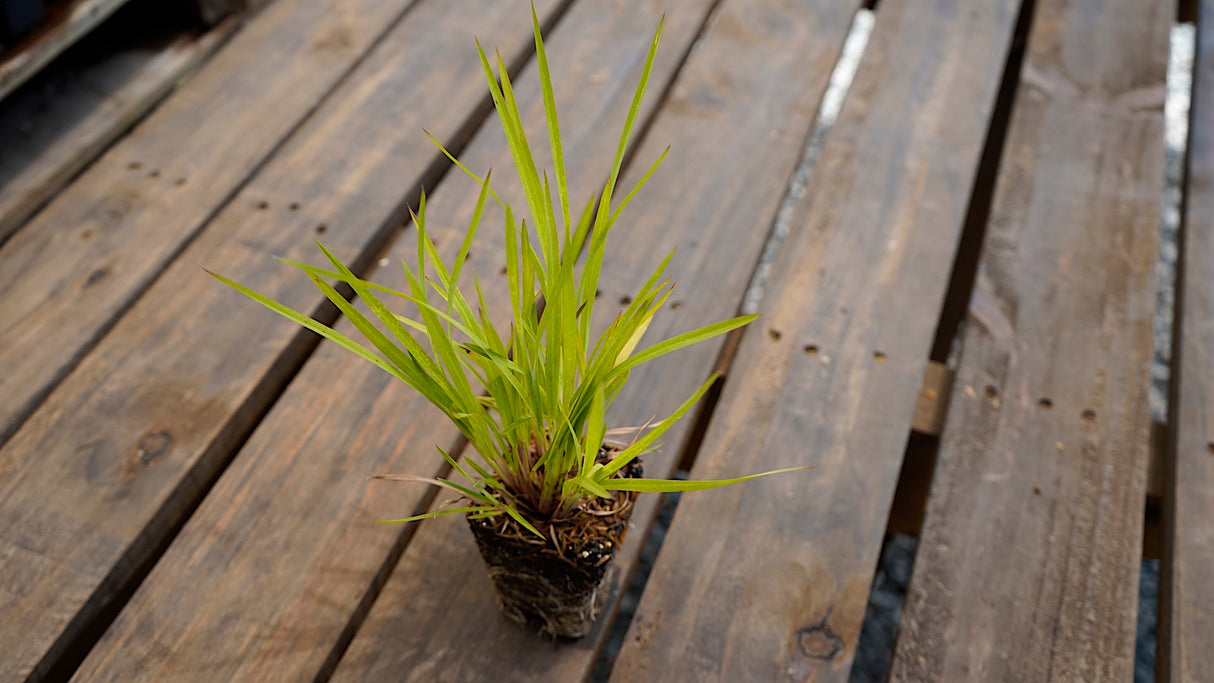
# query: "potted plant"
[548,495]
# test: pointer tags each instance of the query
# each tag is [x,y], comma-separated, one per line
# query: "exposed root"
[553,583]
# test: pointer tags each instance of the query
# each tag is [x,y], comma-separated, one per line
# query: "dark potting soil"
[554,584]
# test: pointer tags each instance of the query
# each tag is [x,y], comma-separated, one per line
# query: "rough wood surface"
[66,22]
[740,109]
[1039,488]
[914,482]
[44,144]
[83,259]
[1188,603]
[769,580]
[125,446]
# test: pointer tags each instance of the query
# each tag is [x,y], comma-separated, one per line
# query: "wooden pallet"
[184,487]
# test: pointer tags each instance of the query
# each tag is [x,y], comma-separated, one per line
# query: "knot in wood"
[96,276]
[820,641]
[152,445]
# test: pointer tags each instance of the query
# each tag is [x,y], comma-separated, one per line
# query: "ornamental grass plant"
[546,492]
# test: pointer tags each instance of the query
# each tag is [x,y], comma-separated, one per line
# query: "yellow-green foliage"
[532,404]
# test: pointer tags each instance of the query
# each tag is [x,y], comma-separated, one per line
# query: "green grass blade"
[554,128]
[541,209]
[307,322]
[488,330]
[415,374]
[640,445]
[636,188]
[466,246]
[586,484]
[626,133]
[513,272]
[411,349]
[457,466]
[462,167]
[472,494]
[667,485]
[686,339]
[596,427]
[432,515]
[516,139]
[335,275]
[640,329]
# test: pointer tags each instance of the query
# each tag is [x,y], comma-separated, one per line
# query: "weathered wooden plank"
[1187,606]
[96,107]
[81,261]
[1039,488]
[744,100]
[769,580]
[127,444]
[66,23]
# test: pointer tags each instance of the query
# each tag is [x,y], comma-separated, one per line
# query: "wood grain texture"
[81,261]
[769,580]
[83,118]
[1028,564]
[740,110]
[122,449]
[1188,607]
[65,24]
